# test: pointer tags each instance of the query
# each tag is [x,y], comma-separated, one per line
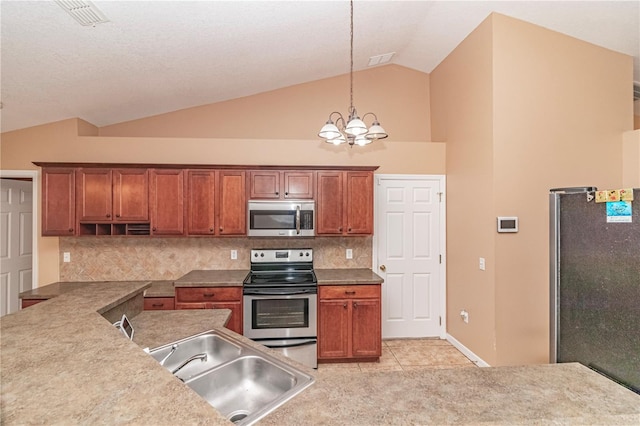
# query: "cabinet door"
[58,201]
[201,196]
[235,321]
[167,202]
[366,328]
[333,329]
[359,203]
[131,194]
[299,185]
[232,205]
[93,187]
[330,203]
[264,184]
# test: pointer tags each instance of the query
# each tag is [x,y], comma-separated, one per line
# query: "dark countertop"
[347,276]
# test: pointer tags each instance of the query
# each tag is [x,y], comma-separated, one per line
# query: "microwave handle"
[298,220]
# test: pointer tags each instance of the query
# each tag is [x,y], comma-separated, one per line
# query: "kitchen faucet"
[173,349]
[202,357]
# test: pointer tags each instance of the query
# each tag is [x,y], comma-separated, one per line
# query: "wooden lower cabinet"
[159,303]
[349,323]
[30,302]
[213,298]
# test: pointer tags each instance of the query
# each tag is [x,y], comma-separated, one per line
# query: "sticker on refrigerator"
[619,211]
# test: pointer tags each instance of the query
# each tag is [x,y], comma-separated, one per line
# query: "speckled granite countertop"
[347,276]
[63,363]
[157,289]
[203,278]
[560,394]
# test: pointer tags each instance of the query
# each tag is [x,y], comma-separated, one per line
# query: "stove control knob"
[307,254]
[261,254]
[301,254]
[255,254]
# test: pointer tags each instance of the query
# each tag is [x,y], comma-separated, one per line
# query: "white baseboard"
[466,352]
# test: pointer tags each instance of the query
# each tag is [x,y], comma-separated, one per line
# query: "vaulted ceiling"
[154,57]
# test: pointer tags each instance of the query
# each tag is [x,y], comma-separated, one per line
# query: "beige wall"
[405,116]
[535,127]
[631,159]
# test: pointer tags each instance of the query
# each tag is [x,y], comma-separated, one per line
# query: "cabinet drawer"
[348,291]
[208,294]
[158,303]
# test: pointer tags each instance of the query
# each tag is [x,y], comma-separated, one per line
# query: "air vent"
[380,59]
[85,12]
[636,91]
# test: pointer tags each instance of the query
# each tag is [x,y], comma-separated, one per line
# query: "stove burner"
[280,278]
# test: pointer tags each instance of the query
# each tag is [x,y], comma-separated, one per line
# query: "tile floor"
[407,354]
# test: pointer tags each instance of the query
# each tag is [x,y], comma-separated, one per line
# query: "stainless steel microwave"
[286,218]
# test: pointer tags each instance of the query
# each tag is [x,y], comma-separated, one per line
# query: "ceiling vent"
[85,12]
[380,59]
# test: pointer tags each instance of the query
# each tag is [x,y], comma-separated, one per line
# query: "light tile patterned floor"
[406,354]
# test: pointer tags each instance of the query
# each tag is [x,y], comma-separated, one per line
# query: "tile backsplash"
[145,258]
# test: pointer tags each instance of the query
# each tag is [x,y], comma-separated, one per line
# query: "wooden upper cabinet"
[359,203]
[232,203]
[166,199]
[131,194]
[112,195]
[269,184]
[58,202]
[345,203]
[329,208]
[201,202]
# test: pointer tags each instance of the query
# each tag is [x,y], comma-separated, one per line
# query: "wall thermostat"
[507,223]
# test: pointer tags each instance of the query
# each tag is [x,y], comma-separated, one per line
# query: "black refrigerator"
[595,282]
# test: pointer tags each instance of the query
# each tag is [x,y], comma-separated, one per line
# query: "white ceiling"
[160,56]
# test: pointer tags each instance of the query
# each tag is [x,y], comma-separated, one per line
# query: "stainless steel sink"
[217,349]
[247,388]
[241,382]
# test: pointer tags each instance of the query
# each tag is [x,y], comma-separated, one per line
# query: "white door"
[410,254]
[16,242]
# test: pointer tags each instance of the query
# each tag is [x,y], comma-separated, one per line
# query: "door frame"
[442,230]
[35,178]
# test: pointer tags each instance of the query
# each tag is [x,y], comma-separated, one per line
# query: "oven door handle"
[279,292]
[290,345]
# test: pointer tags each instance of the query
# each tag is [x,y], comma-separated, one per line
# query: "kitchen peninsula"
[62,362]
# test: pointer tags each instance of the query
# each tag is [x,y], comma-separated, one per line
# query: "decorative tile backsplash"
[131,258]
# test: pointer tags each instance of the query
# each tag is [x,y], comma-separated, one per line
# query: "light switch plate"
[66,257]
[234,254]
[349,253]
[482,264]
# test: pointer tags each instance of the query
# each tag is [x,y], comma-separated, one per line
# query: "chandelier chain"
[351,64]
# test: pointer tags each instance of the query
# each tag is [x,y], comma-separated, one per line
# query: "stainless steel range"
[280,303]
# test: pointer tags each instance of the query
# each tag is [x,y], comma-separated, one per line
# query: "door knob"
[383,268]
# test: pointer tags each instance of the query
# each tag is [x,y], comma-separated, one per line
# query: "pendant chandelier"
[353,130]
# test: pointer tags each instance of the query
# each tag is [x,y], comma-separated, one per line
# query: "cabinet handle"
[340,229]
[348,229]
[208,294]
[349,292]
[355,305]
[221,229]
[277,193]
[286,193]
[157,305]
[70,229]
[344,306]
[210,229]
[108,215]
[153,229]
[117,214]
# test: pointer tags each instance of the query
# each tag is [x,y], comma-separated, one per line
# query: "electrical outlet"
[482,264]
[349,253]
[465,316]
[66,257]
[234,254]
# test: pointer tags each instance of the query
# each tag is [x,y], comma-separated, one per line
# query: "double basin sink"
[241,382]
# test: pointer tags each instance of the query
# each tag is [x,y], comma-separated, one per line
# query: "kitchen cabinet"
[108,195]
[216,202]
[344,203]
[232,202]
[159,303]
[166,200]
[283,185]
[58,201]
[213,298]
[25,303]
[349,322]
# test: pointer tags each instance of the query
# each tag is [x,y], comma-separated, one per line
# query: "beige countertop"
[157,289]
[203,278]
[347,276]
[559,394]
[63,363]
